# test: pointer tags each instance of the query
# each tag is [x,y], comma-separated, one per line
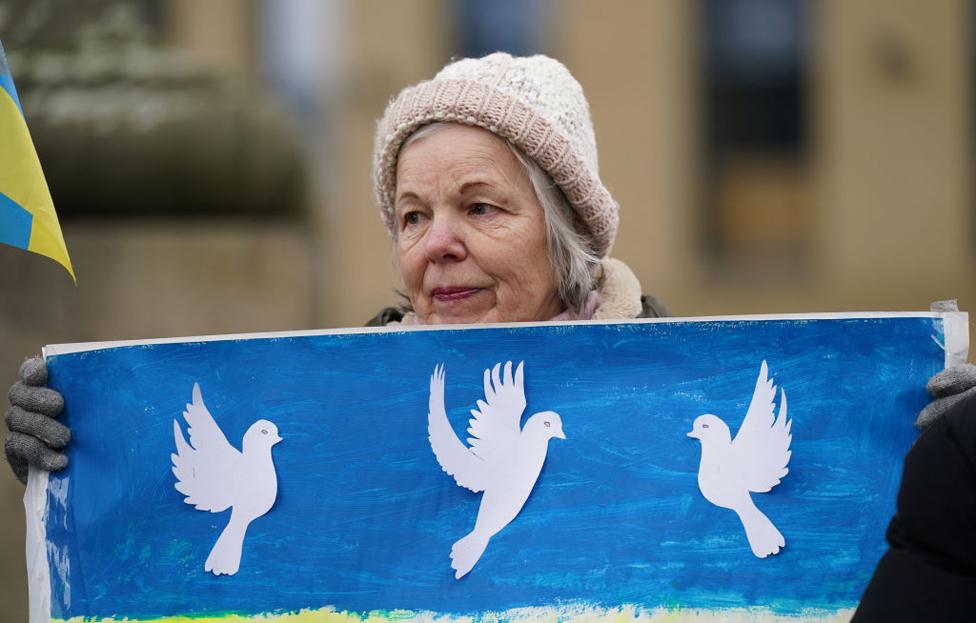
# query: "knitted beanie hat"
[533,102]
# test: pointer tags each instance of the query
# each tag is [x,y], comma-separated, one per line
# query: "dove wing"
[495,427]
[454,457]
[762,445]
[205,466]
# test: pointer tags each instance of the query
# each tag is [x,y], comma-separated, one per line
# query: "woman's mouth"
[449,294]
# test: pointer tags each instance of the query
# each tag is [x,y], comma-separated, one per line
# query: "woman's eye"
[481,209]
[411,218]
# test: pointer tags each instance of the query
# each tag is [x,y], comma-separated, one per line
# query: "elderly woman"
[486,178]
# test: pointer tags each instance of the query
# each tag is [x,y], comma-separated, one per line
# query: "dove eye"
[548,425]
[264,431]
[704,425]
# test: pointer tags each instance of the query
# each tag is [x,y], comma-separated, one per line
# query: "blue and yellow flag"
[27,216]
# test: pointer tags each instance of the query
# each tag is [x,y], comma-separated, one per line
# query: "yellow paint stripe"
[566,614]
[22,179]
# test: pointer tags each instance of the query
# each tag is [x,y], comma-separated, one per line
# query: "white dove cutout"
[215,476]
[755,461]
[503,461]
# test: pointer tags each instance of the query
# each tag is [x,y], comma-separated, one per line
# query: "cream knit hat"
[533,102]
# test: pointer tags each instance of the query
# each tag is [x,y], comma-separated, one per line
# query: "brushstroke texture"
[364,514]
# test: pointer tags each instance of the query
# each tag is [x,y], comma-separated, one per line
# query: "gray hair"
[574,265]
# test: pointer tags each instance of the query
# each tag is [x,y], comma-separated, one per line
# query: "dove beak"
[693,434]
[560,435]
[277,439]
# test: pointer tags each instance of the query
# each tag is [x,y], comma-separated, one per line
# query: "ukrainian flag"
[27,216]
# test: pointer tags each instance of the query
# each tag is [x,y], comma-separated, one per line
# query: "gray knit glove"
[947,388]
[34,437]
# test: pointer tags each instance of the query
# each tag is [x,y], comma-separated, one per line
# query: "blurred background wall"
[210,160]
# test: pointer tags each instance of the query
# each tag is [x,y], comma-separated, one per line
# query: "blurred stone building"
[768,155]
[210,160]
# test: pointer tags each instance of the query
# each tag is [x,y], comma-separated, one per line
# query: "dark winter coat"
[929,571]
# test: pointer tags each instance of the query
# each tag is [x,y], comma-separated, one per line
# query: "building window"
[513,26]
[756,191]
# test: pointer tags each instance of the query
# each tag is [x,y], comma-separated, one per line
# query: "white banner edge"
[38,570]
[79,347]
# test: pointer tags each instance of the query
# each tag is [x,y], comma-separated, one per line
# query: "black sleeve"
[653,308]
[385,317]
[929,571]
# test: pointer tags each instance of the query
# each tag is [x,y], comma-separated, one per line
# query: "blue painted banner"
[365,518]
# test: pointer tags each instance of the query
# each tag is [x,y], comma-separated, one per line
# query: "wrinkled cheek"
[531,293]
[411,274]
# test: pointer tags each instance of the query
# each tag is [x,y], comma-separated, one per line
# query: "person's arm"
[34,437]
[947,388]
[929,570]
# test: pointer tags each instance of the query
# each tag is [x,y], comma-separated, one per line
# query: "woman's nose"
[444,240]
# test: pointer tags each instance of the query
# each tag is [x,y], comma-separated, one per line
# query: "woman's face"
[471,235]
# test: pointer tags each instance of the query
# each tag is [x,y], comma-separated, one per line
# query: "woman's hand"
[947,388]
[34,437]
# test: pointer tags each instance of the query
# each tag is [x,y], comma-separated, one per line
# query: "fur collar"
[620,292]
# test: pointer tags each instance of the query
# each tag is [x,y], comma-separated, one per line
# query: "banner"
[702,469]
